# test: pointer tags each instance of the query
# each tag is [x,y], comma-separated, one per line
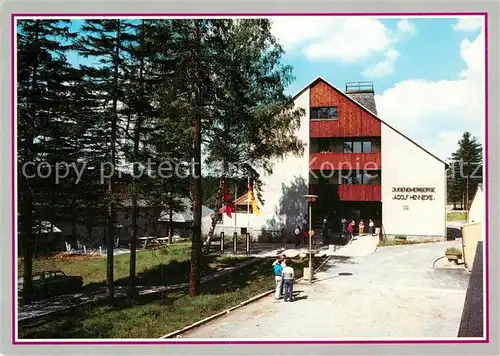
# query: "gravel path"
[391,293]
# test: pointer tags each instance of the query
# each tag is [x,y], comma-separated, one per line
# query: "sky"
[428,73]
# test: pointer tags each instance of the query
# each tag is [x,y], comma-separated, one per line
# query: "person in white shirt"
[371,227]
[288,278]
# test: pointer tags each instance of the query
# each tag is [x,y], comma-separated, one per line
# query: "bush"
[453,251]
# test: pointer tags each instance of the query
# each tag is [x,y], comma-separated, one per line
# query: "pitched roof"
[358,103]
[243,200]
[186,215]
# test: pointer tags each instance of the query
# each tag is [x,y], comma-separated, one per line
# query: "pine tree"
[105,40]
[466,166]
[40,55]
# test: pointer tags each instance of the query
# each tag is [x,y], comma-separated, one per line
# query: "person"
[350,229]
[325,231]
[278,278]
[361,227]
[288,279]
[297,236]
[344,225]
[371,227]
[281,259]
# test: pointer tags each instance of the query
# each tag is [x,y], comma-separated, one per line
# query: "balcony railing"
[344,161]
[353,192]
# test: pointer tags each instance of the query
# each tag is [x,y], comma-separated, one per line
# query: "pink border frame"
[249,342]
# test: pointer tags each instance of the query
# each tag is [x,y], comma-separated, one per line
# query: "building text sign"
[413,193]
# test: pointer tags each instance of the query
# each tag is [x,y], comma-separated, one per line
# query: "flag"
[228,201]
[253,200]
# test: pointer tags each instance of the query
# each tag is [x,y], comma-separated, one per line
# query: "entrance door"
[356,215]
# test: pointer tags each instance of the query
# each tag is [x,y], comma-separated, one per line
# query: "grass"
[453,251]
[155,316]
[397,242]
[456,216]
[154,267]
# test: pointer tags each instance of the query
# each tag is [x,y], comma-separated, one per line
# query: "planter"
[453,257]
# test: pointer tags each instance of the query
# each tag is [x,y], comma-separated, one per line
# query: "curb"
[227,311]
[437,259]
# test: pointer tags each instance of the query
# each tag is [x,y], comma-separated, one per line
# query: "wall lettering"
[413,193]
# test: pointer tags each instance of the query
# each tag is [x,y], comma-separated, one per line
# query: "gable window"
[324,113]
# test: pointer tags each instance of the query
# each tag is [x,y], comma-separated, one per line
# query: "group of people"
[301,234]
[284,277]
[349,225]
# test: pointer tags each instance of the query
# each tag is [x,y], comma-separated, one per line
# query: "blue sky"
[428,73]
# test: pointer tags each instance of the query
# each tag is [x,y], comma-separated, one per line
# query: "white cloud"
[468,24]
[435,113]
[345,39]
[384,67]
[404,26]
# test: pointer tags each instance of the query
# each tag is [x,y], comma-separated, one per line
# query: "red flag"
[228,201]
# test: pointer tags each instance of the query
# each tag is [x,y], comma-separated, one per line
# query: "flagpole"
[235,206]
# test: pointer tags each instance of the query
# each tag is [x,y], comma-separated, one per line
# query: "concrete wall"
[471,234]
[406,165]
[477,208]
[292,174]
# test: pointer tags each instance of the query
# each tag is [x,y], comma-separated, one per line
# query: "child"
[288,277]
[361,227]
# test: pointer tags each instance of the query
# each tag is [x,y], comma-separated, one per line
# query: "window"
[368,178]
[324,113]
[357,147]
[367,146]
[323,146]
[357,178]
[347,147]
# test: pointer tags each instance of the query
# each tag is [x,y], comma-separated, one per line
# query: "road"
[392,293]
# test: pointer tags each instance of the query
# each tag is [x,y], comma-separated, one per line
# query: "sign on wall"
[413,193]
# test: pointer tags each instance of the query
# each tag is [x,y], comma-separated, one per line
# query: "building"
[183,219]
[241,221]
[359,166]
[477,210]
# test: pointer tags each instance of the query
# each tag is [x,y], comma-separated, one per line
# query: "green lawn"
[155,316]
[154,267]
[456,216]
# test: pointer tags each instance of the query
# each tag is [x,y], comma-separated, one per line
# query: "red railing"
[344,161]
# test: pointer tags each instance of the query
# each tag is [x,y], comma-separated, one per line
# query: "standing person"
[297,236]
[350,229]
[325,231]
[361,227]
[371,227]
[278,278]
[344,225]
[288,279]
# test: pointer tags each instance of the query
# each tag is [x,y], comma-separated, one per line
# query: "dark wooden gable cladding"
[353,120]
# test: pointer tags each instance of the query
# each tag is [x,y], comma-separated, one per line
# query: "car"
[52,283]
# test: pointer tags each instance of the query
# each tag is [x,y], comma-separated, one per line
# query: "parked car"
[52,283]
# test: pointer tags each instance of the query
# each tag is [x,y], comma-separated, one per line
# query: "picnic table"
[151,239]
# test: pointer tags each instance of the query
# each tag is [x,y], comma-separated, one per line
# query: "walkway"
[391,293]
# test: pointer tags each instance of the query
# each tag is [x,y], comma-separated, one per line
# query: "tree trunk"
[26,206]
[110,291]
[194,277]
[215,217]
[137,137]
[171,223]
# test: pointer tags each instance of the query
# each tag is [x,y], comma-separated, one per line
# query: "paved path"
[391,293]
